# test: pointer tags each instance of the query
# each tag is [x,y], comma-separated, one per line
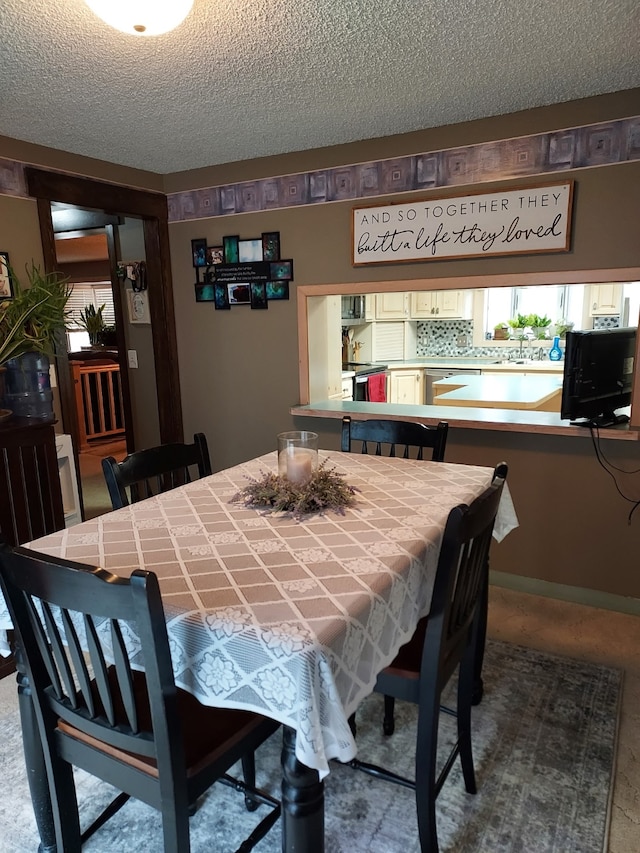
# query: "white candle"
[299,463]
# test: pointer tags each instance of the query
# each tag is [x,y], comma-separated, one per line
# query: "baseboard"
[576,594]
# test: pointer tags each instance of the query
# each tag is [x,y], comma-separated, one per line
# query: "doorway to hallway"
[94,488]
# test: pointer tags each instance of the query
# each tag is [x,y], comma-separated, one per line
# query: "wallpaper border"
[550,153]
[554,152]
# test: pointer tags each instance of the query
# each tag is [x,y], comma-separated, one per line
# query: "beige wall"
[20,233]
[238,369]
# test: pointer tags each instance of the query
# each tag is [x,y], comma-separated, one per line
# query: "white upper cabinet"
[392,306]
[605,299]
[441,305]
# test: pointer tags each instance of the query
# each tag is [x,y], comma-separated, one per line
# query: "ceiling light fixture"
[141,17]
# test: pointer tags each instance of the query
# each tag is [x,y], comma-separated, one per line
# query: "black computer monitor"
[598,376]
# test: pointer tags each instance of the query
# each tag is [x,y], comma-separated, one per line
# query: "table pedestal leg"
[34,759]
[302,802]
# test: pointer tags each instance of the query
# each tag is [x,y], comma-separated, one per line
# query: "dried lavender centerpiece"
[325,489]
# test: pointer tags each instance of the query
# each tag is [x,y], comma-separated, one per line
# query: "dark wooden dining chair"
[155,469]
[445,641]
[98,710]
[412,439]
[395,438]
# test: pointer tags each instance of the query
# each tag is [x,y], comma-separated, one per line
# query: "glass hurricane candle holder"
[297,455]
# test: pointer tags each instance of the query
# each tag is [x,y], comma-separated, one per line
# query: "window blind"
[95,294]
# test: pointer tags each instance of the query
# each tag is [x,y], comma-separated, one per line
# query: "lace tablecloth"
[292,619]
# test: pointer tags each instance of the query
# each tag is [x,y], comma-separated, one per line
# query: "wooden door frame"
[151,207]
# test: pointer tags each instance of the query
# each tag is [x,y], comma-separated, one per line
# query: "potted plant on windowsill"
[539,326]
[92,321]
[562,327]
[28,326]
[501,332]
[517,325]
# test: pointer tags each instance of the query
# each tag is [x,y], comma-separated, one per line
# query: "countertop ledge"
[494,420]
[486,366]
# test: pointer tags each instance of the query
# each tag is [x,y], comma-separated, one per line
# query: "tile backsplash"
[440,337]
[445,338]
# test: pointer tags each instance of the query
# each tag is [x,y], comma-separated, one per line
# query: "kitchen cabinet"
[393,341]
[392,306]
[31,504]
[325,354]
[406,386]
[605,299]
[441,305]
[347,387]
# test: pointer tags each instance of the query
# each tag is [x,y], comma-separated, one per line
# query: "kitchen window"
[554,301]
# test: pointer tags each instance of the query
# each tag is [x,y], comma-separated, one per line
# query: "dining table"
[289,617]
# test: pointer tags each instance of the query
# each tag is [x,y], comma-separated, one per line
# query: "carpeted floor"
[544,743]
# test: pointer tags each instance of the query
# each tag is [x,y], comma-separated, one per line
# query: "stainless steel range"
[362,371]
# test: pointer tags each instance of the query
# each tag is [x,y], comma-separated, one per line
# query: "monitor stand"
[608,419]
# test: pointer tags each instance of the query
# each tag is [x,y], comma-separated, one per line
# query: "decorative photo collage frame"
[6,284]
[241,272]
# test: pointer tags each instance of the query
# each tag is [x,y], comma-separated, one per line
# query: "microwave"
[353,307]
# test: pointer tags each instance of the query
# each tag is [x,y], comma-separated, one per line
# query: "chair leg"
[389,723]
[249,775]
[175,828]
[466,680]
[426,783]
[353,725]
[65,806]
[480,640]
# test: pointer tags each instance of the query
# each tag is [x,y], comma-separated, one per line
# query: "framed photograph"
[271,246]
[230,249]
[259,294]
[239,294]
[221,296]
[138,305]
[249,251]
[277,290]
[215,255]
[281,270]
[199,252]
[6,285]
[204,292]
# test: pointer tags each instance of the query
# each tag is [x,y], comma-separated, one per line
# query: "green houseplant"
[518,324]
[28,326]
[562,327]
[92,321]
[539,325]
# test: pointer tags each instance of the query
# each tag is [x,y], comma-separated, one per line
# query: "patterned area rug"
[544,743]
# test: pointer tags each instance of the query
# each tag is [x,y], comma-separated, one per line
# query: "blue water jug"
[28,386]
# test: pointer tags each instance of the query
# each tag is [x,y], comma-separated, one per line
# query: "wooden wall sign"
[506,222]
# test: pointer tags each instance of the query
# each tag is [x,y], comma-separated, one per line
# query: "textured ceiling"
[240,80]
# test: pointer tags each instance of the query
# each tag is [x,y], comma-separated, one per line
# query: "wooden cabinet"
[605,299]
[31,504]
[325,356]
[441,305]
[406,386]
[392,306]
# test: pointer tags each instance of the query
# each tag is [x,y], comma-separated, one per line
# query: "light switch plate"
[133,357]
